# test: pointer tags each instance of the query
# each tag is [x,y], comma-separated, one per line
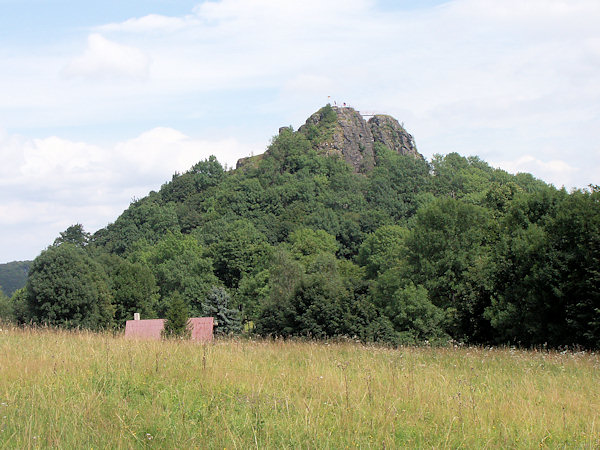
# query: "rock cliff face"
[345,132]
[349,136]
[390,133]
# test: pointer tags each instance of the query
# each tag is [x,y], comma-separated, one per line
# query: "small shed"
[201,328]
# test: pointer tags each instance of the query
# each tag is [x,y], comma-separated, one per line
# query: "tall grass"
[83,390]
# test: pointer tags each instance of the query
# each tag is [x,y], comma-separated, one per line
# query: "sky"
[102,102]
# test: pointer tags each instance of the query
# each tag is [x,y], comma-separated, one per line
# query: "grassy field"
[84,390]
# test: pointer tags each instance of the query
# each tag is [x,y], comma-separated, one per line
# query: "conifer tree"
[177,319]
[227,319]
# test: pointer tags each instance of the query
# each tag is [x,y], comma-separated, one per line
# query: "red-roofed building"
[201,327]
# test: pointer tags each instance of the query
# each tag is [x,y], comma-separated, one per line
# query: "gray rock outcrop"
[350,137]
[390,133]
[354,139]
[343,131]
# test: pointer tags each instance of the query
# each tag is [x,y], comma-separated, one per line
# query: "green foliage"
[448,254]
[20,307]
[307,243]
[321,131]
[74,235]
[396,182]
[408,251]
[289,152]
[274,311]
[318,307]
[383,249]
[147,219]
[178,265]
[7,312]
[321,298]
[202,176]
[133,287]
[177,319]
[68,288]
[253,290]
[548,283]
[413,315]
[237,250]
[328,114]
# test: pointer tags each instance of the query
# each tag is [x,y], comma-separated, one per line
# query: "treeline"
[297,244]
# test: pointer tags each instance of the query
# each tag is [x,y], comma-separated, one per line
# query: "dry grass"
[65,390]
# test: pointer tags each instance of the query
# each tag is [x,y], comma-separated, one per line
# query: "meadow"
[61,389]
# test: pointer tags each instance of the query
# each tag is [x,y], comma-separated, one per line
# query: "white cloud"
[530,11]
[107,59]
[148,23]
[481,77]
[165,150]
[556,171]
[467,55]
[51,183]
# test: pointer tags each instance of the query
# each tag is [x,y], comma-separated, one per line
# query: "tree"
[548,282]
[395,182]
[237,251]
[6,308]
[178,264]
[448,253]
[216,305]
[413,315]
[177,319]
[323,298]
[146,219]
[383,249]
[75,235]
[306,244]
[575,238]
[519,309]
[253,290]
[67,288]
[20,307]
[318,303]
[133,288]
[201,176]
[275,313]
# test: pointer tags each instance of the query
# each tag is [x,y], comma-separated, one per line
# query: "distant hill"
[341,228]
[13,276]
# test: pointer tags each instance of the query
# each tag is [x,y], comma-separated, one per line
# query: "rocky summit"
[343,131]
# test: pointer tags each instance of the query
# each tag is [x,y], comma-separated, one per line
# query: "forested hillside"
[327,235]
[13,276]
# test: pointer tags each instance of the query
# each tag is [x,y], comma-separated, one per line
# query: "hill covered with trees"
[339,229]
[13,276]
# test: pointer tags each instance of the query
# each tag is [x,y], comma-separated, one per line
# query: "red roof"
[202,328]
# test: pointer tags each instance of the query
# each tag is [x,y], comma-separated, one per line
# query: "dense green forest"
[298,242]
